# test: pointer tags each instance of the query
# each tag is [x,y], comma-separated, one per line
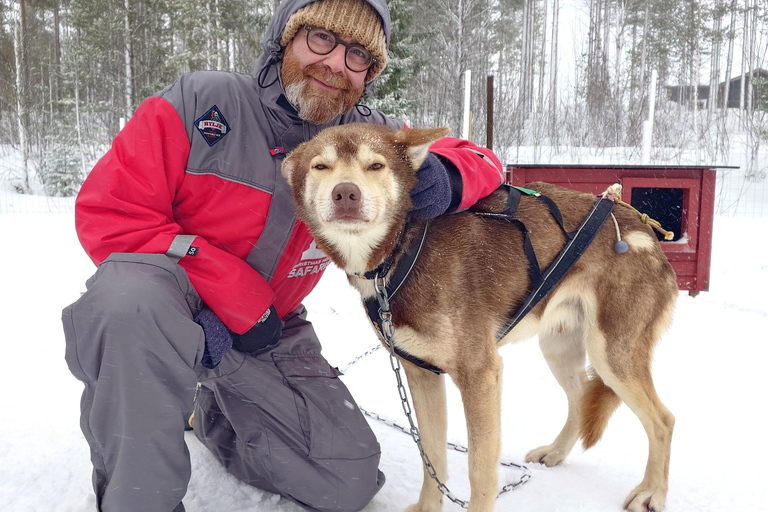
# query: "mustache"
[320,72]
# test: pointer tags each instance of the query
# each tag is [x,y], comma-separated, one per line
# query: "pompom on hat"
[355,19]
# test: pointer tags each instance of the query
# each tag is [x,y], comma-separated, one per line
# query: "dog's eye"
[376,166]
[320,167]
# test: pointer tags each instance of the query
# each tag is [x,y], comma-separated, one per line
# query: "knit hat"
[355,19]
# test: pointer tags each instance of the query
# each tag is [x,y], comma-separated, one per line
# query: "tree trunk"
[57,52]
[619,83]
[128,67]
[20,54]
[729,63]
[78,125]
[542,61]
[643,56]
[714,71]
[526,63]
[695,80]
[219,41]
[553,64]
[744,53]
[753,28]
[722,124]
[208,36]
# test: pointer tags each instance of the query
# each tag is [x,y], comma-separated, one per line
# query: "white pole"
[465,123]
[648,124]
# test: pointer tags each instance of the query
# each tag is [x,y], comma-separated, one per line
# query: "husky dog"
[351,185]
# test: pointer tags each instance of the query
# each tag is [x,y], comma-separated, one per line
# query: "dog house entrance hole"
[662,204]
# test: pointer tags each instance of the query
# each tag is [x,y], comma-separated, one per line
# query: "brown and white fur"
[351,185]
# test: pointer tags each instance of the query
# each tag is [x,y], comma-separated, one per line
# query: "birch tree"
[553,70]
[714,68]
[731,34]
[22,114]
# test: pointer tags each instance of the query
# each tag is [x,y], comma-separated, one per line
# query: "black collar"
[385,266]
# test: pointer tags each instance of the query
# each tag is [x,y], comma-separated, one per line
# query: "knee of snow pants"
[129,295]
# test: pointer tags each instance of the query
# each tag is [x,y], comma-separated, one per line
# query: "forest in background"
[72,71]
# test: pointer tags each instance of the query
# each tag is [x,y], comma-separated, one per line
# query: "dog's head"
[354,180]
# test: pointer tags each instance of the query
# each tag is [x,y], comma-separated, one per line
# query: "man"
[199,250]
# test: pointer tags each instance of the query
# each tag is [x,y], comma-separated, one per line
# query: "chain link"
[388,334]
[361,356]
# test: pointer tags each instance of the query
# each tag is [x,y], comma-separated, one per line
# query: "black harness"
[543,282]
[396,281]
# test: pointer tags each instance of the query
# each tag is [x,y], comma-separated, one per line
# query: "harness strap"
[400,274]
[578,242]
[555,212]
[534,270]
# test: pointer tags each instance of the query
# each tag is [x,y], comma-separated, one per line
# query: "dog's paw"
[645,499]
[548,455]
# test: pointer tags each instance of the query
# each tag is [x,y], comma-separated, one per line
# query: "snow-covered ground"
[709,370]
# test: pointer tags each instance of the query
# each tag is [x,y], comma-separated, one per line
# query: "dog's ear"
[289,164]
[418,140]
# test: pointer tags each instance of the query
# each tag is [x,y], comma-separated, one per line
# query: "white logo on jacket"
[313,260]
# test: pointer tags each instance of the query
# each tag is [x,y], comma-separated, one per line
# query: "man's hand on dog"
[434,193]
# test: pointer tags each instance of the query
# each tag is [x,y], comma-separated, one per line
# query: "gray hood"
[267,69]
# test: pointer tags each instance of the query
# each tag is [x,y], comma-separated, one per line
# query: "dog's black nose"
[346,196]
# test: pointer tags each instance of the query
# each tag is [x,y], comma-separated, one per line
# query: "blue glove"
[218,339]
[437,190]
[262,336]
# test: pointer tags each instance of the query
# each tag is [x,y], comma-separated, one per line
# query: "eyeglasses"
[322,42]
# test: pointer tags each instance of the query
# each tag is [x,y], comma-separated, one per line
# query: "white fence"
[738,195]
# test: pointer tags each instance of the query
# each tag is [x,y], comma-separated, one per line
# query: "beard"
[314,103]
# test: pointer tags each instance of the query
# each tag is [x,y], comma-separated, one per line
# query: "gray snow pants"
[281,421]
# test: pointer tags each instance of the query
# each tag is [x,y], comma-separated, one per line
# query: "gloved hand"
[434,193]
[218,339]
[262,336]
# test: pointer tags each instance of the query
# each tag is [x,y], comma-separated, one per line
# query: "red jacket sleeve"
[481,171]
[126,205]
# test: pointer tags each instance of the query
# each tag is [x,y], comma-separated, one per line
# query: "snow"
[708,371]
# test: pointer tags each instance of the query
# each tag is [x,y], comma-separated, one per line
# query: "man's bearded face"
[318,103]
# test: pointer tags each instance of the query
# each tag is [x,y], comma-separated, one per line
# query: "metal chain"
[388,332]
[361,356]
[452,446]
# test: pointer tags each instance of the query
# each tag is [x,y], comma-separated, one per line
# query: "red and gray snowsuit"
[189,208]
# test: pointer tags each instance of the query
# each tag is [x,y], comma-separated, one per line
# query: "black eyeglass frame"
[347,48]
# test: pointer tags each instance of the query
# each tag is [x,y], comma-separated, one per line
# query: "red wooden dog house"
[681,198]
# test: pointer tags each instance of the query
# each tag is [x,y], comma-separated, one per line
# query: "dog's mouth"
[347,217]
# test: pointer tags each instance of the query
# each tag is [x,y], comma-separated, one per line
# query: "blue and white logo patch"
[212,126]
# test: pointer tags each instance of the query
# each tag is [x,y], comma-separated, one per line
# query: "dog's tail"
[598,403]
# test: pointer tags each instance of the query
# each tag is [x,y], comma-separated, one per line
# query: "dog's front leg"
[428,392]
[480,388]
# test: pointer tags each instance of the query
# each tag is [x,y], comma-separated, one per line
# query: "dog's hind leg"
[429,402]
[563,349]
[480,384]
[629,376]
